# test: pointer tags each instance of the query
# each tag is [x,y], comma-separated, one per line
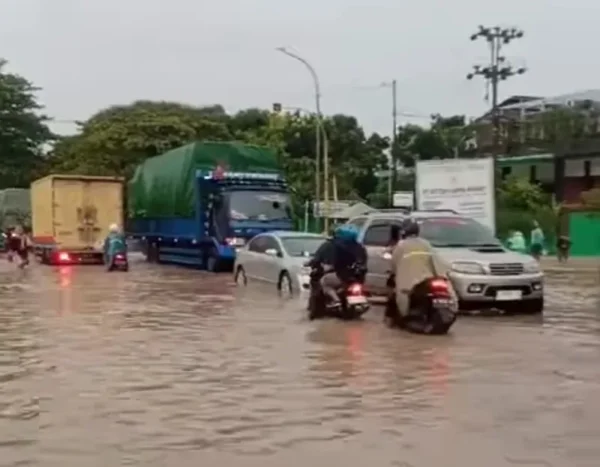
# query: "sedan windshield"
[456,232]
[302,246]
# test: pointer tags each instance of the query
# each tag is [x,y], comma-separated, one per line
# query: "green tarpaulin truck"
[196,204]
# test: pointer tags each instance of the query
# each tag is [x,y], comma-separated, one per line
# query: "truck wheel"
[212,263]
[152,253]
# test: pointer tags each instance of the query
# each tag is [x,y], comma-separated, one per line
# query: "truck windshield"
[258,205]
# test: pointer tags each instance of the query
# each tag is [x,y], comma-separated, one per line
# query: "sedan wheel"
[240,276]
[285,286]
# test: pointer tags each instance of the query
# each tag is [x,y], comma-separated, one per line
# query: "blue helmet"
[346,232]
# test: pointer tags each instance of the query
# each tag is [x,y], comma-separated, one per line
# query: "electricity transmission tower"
[498,69]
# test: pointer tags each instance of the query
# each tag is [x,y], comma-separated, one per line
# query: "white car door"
[272,259]
[253,257]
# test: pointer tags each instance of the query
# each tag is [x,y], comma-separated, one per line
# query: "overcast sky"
[90,54]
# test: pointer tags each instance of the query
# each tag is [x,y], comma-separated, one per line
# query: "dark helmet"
[410,228]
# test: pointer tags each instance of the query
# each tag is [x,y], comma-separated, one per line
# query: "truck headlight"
[532,267]
[464,267]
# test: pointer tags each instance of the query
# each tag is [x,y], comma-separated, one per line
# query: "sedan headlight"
[532,267]
[467,268]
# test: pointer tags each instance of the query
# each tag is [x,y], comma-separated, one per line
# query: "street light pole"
[319,135]
[392,175]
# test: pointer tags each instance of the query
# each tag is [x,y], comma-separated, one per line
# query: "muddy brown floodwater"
[169,367]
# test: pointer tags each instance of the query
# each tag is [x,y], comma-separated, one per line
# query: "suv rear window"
[456,232]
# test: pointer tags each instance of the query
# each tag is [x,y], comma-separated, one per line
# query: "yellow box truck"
[71,214]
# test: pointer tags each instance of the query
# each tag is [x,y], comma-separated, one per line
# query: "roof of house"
[563,99]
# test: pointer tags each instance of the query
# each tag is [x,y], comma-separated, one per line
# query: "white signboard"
[403,199]
[463,185]
[324,209]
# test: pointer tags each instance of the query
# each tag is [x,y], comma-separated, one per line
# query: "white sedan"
[278,258]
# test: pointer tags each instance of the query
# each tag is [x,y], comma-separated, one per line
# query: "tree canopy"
[23,131]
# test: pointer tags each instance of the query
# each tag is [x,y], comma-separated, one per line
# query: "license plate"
[505,295]
[120,261]
[442,302]
[356,300]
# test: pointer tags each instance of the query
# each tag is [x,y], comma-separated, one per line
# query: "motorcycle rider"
[113,244]
[344,253]
[413,261]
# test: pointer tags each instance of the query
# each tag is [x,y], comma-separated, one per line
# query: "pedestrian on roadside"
[21,243]
[12,244]
[536,245]
[563,245]
[516,242]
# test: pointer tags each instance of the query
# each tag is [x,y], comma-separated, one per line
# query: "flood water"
[164,366]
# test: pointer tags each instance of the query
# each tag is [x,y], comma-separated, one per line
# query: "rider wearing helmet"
[114,243]
[346,255]
[413,261]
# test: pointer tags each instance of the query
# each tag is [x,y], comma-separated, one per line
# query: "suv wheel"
[533,307]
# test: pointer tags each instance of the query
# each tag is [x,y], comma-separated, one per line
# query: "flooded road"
[168,367]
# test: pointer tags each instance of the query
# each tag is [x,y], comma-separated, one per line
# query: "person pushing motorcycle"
[337,259]
[413,261]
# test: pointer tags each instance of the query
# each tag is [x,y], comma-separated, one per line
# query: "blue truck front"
[236,206]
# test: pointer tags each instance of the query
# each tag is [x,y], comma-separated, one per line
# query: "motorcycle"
[118,262]
[353,300]
[431,307]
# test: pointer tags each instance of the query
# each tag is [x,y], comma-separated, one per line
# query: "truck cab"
[236,206]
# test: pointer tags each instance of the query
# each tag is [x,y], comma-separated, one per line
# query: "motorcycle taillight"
[355,289]
[439,286]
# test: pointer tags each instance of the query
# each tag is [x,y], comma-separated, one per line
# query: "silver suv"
[483,272]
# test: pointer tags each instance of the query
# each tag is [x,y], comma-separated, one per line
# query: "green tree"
[519,203]
[446,137]
[353,157]
[23,131]
[115,140]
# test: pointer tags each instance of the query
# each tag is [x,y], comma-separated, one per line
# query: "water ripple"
[165,366]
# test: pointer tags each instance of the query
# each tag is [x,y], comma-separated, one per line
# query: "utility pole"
[393,175]
[497,70]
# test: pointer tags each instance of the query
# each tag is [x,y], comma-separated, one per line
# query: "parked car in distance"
[483,272]
[278,258]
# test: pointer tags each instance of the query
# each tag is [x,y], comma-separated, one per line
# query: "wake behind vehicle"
[353,300]
[431,307]
[198,204]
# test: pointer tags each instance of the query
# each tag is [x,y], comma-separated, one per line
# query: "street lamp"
[319,134]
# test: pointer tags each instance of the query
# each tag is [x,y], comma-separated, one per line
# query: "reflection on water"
[164,366]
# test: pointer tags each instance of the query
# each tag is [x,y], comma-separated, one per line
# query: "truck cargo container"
[196,204]
[71,215]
